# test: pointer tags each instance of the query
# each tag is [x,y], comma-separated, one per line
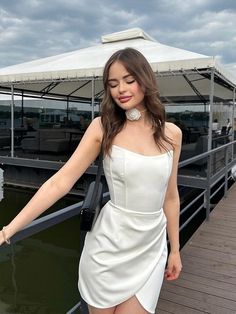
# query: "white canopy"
[64,74]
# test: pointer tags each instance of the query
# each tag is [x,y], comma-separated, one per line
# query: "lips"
[124,99]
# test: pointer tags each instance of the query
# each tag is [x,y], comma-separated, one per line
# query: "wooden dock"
[208,280]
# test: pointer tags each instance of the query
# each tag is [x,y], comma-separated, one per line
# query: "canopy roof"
[70,74]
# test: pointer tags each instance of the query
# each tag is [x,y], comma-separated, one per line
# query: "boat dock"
[207,283]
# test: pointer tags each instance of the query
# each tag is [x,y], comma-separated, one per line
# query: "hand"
[174,266]
[1,238]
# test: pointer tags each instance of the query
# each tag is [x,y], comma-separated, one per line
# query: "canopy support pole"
[22,109]
[67,110]
[209,157]
[92,98]
[233,129]
[211,108]
[12,120]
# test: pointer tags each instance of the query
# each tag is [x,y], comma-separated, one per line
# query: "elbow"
[171,204]
[172,200]
[58,186]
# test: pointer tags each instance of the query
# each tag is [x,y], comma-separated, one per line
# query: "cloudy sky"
[31,29]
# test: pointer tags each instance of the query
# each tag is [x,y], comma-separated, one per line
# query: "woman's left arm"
[172,207]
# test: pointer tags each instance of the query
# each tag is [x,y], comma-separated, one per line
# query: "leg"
[94,310]
[131,306]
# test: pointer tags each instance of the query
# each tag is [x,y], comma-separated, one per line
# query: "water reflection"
[42,276]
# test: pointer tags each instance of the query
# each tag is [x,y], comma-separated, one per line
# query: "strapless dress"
[125,253]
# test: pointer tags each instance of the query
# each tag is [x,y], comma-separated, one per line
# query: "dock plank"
[200,295]
[214,255]
[200,271]
[175,308]
[208,281]
[224,231]
[191,304]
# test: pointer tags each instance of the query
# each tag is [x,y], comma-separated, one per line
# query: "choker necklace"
[134,114]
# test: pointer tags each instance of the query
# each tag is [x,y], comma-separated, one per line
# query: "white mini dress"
[125,253]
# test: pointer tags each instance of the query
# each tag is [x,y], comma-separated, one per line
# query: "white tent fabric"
[89,62]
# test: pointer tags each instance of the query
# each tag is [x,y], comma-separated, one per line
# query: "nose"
[121,87]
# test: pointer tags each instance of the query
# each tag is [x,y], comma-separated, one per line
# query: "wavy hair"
[113,117]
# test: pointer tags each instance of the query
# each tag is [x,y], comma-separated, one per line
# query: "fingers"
[172,273]
[174,266]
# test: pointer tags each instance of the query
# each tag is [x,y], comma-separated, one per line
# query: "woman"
[123,261]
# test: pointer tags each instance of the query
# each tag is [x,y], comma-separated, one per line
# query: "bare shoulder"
[95,127]
[174,133]
[96,123]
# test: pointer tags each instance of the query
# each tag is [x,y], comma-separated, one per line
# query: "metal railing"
[212,177]
[207,183]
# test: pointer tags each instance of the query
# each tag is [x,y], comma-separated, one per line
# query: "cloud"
[210,32]
[31,29]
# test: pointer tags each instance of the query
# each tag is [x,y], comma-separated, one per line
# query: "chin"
[125,106]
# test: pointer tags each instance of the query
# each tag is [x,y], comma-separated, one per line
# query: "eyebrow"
[115,80]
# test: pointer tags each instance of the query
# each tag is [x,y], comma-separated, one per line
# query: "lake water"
[42,276]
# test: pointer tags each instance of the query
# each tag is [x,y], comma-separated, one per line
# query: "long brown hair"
[113,117]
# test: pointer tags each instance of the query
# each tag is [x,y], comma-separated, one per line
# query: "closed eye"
[113,85]
[130,82]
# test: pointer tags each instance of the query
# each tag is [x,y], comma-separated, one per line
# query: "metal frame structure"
[47,92]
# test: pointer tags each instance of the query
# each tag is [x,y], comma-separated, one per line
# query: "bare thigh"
[131,306]
[94,310]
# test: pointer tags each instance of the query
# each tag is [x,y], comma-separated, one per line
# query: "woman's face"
[124,89]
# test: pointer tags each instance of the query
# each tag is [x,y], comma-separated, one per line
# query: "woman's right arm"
[61,182]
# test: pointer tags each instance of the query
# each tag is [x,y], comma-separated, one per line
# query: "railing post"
[226,155]
[208,188]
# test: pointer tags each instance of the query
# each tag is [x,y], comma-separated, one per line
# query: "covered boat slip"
[187,81]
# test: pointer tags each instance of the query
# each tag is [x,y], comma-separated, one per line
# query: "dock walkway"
[208,280]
